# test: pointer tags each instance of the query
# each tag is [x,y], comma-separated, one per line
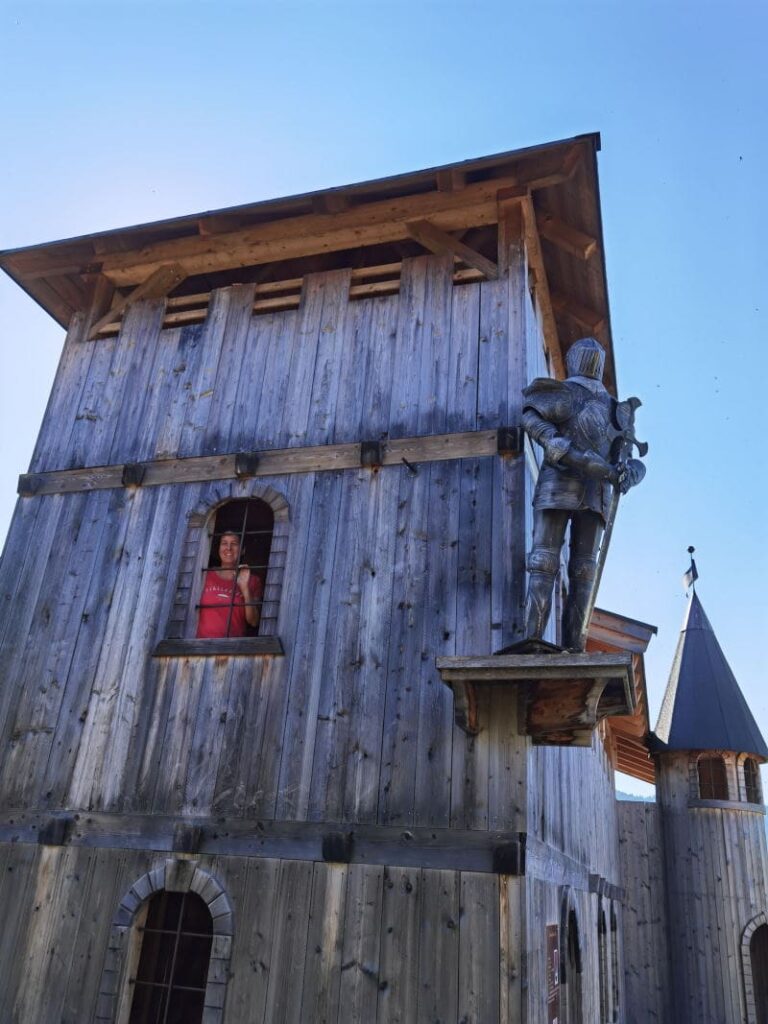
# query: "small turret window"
[713,780]
[752,791]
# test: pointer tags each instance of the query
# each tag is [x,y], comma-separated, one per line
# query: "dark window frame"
[712,777]
[159,973]
[180,638]
[753,790]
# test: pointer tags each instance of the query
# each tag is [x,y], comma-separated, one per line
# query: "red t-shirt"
[218,596]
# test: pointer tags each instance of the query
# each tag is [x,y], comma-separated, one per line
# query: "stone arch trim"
[172,876]
[746,965]
[196,549]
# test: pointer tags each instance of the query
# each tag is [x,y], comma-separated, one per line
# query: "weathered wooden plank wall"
[384,570]
[716,884]
[646,948]
[331,944]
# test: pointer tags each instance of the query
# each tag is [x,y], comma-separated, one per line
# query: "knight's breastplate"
[590,426]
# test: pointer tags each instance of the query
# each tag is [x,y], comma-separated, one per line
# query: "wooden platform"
[565,695]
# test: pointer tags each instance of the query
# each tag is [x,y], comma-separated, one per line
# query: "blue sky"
[116,113]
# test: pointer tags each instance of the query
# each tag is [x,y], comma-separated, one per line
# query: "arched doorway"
[570,962]
[758,955]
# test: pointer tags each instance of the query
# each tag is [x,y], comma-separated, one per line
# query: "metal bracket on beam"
[509,858]
[55,831]
[29,484]
[246,464]
[187,838]
[337,847]
[133,474]
[371,454]
[509,440]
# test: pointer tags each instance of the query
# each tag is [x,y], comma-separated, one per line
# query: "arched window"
[172,973]
[234,576]
[752,791]
[230,575]
[713,780]
[758,955]
[616,991]
[602,951]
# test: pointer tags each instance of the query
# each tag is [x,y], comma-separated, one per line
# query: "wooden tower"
[708,754]
[349,812]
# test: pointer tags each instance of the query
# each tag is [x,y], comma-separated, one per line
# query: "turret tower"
[708,752]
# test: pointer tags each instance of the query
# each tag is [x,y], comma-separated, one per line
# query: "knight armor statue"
[585,433]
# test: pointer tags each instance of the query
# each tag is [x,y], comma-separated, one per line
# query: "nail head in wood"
[337,847]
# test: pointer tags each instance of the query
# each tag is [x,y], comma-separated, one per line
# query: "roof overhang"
[556,183]
[627,735]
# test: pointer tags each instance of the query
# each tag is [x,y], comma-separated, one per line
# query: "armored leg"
[543,562]
[586,531]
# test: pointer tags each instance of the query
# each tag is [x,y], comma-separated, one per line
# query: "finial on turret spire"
[690,577]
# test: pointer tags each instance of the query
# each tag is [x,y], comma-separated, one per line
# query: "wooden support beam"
[291,237]
[510,217]
[157,285]
[451,180]
[330,202]
[267,462]
[565,237]
[441,243]
[583,315]
[536,263]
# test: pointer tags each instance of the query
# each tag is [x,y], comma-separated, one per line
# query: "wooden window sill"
[235,647]
[728,805]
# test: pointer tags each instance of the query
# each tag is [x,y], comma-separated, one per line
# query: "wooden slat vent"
[276,296]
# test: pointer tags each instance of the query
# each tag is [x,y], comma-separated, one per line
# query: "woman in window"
[231,595]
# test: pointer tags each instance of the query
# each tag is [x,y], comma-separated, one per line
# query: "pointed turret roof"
[703,707]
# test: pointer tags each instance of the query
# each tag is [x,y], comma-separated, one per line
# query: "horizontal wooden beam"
[229,647]
[442,243]
[565,237]
[268,462]
[157,286]
[306,234]
[396,846]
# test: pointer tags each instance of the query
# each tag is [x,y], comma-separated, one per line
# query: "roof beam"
[536,263]
[451,179]
[157,286]
[565,237]
[441,243]
[583,315]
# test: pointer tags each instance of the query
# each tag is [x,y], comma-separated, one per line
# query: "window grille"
[171,978]
[713,780]
[222,609]
[752,781]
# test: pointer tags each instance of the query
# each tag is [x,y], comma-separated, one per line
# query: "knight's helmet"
[585,358]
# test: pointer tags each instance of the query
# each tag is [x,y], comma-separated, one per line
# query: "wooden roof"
[628,735]
[358,225]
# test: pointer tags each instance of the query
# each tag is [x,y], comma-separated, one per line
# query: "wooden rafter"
[565,237]
[157,285]
[583,315]
[536,263]
[452,179]
[442,243]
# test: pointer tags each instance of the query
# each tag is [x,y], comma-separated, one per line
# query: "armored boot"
[581,576]
[543,564]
